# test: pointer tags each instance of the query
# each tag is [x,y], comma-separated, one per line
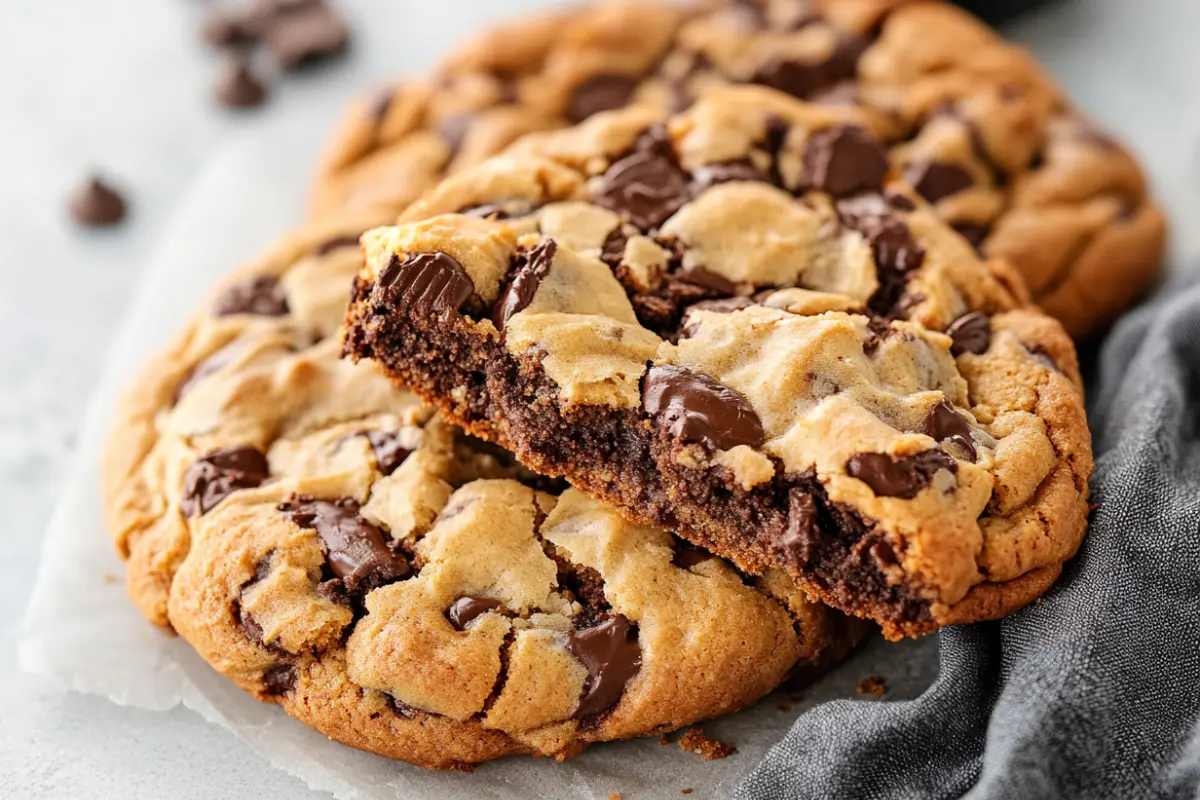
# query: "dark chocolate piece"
[302,33]
[465,609]
[697,408]
[237,86]
[600,93]
[800,538]
[896,252]
[261,295]
[646,186]
[844,160]
[934,180]
[425,283]
[279,679]
[700,276]
[336,243]
[946,424]
[805,79]
[389,453]
[900,477]
[219,474]
[355,549]
[97,205]
[612,655]
[970,333]
[532,266]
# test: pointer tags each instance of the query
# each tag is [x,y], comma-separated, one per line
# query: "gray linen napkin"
[1092,692]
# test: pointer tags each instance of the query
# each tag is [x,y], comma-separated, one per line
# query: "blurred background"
[124,87]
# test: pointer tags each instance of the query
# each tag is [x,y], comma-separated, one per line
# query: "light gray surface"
[122,84]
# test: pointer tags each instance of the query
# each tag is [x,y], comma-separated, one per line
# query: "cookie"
[329,544]
[976,127]
[736,325]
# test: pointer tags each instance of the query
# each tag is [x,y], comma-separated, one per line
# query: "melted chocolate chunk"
[974,232]
[600,93]
[899,477]
[970,333]
[646,186]
[699,276]
[895,251]
[336,243]
[97,205]
[696,408]
[946,424]
[486,211]
[389,453]
[261,295]
[712,174]
[612,655]
[355,550]
[219,474]
[465,609]
[934,180]
[612,252]
[279,679]
[799,539]
[805,79]
[425,283]
[844,160]
[532,266]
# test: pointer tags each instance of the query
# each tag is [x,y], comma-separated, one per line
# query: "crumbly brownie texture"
[329,544]
[973,124]
[731,326]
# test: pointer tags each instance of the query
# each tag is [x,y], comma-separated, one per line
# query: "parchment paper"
[82,631]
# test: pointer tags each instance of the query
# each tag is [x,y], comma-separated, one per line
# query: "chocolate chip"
[970,333]
[934,180]
[895,251]
[946,424]
[219,474]
[600,93]
[279,679]
[974,232]
[97,204]
[261,295]
[485,211]
[646,186]
[1042,356]
[612,252]
[696,408]
[424,283]
[532,266]
[700,276]
[900,477]
[612,655]
[844,160]
[336,243]
[238,87]
[713,174]
[804,79]
[899,202]
[222,29]
[454,129]
[249,626]
[465,609]
[355,549]
[300,33]
[389,452]
[799,539]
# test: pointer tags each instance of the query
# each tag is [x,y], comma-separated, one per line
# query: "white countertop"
[123,85]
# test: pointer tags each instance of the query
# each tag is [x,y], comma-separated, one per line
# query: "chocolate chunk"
[646,186]
[1042,356]
[465,609]
[454,129]
[612,655]
[532,266]
[970,333]
[208,366]
[600,93]
[974,232]
[336,243]
[612,252]
[355,550]
[725,172]
[804,79]
[222,29]
[426,282]
[301,33]
[279,679]
[934,180]
[261,295]
[895,251]
[899,202]
[249,626]
[389,453]
[900,477]
[238,87]
[219,474]
[844,160]
[97,204]
[696,408]
[799,539]
[946,424]
[699,276]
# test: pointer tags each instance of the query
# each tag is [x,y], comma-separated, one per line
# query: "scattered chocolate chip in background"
[96,204]
[237,86]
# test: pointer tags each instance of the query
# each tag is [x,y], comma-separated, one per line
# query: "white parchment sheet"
[82,631]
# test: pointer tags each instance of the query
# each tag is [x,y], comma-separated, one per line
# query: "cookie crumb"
[873,684]
[614,796]
[695,741]
[109,578]
[688,790]
[664,739]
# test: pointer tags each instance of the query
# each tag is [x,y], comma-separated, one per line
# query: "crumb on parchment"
[873,684]
[695,741]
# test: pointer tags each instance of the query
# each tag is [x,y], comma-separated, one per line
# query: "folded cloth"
[1092,692]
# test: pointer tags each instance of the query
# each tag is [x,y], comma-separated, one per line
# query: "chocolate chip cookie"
[972,123]
[331,545]
[737,325]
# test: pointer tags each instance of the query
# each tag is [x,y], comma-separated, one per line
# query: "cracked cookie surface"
[329,544]
[737,325]
[971,123]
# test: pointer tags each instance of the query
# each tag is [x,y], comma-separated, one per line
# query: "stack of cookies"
[683,346]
